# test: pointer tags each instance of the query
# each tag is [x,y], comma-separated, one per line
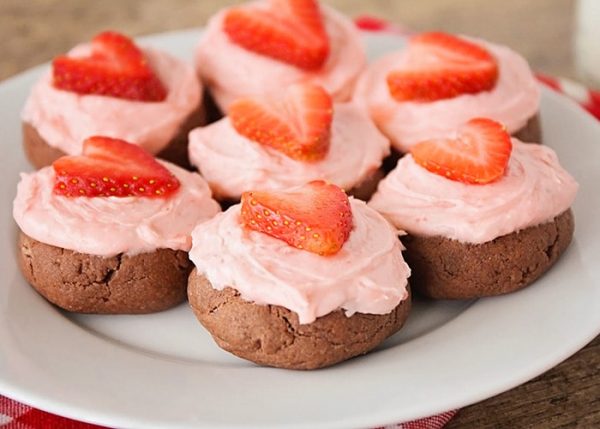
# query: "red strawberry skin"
[115,68]
[112,168]
[291,31]
[315,217]
[479,155]
[298,126]
[443,66]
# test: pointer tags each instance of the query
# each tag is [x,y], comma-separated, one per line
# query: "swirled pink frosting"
[232,164]
[64,118]
[368,275]
[232,72]
[534,189]
[513,101]
[107,226]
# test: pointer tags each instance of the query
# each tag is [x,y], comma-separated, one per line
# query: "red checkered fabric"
[371,23]
[433,422]
[14,415]
[589,99]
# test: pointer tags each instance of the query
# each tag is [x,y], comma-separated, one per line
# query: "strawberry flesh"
[291,31]
[115,68]
[315,217]
[112,168]
[442,66]
[299,125]
[478,155]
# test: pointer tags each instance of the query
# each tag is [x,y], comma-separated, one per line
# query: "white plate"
[164,371]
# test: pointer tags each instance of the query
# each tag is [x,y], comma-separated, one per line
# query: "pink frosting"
[232,164]
[232,71]
[534,189]
[368,275]
[513,101]
[112,225]
[64,119]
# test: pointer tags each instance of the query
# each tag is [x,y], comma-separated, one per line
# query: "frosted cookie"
[111,87]
[288,140]
[440,81]
[264,46]
[108,231]
[302,278]
[485,214]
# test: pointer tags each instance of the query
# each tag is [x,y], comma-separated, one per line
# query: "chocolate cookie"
[143,283]
[443,268]
[531,132]
[271,335]
[213,113]
[365,190]
[41,154]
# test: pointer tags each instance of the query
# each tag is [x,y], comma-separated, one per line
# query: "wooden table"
[34,31]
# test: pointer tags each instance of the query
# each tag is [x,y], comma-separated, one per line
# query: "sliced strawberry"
[116,68]
[291,31]
[112,168]
[442,66]
[478,155]
[299,125]
[315,217]
[304,12]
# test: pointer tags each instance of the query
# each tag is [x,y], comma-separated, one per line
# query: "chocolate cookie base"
[531,132]
[365,190]
[271,335]
[213,112]
[78,282]
[41,154]
[443,268]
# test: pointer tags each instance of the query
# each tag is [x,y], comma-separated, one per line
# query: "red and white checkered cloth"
[14,415]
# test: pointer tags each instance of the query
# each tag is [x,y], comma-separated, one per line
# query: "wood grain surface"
[34,31]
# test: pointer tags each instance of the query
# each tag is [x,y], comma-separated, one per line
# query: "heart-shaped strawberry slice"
[441,66]
[298,125]
[112,168]
[478,155]
[115,68]
[315,217]
[291,31]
